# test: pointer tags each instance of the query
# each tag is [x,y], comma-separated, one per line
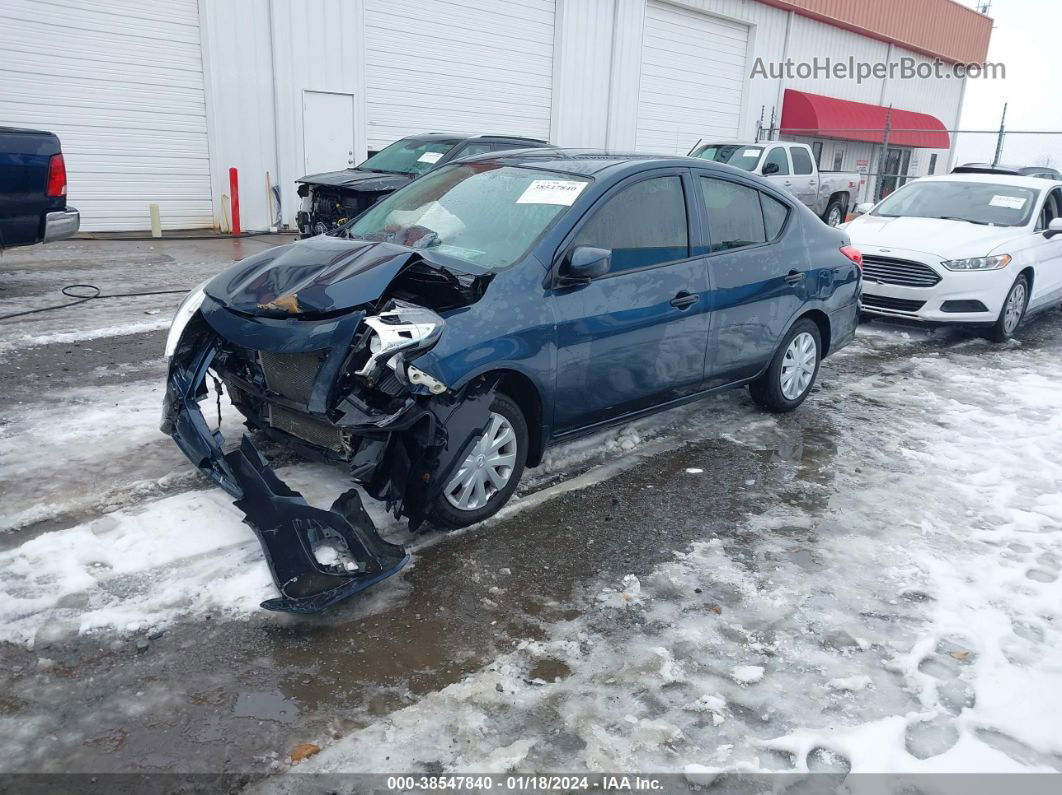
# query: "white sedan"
[975,249]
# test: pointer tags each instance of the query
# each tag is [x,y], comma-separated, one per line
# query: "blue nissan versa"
[437,343]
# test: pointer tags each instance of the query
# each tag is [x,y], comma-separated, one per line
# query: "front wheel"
[792,371]
[488,476]
[1010,316]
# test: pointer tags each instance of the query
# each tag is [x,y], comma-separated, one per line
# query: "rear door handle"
[684,300]
[794,277]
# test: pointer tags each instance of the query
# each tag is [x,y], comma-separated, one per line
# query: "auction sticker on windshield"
[1011,202]
[430,157]
[552,191]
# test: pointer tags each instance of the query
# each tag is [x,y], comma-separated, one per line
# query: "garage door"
[468,66]
[121,84]
[693,71]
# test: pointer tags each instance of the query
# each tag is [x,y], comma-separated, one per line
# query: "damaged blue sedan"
[438,343]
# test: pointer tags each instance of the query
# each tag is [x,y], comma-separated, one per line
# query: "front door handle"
[684,300]
[794,277]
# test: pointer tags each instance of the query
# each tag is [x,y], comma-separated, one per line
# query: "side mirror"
[864,207]
[1053,228]
[584,264]
[770,168]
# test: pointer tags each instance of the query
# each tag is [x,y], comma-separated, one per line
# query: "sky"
[1027,39]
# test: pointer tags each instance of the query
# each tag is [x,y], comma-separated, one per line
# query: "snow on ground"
[921,633]
[154,555]
[27,340]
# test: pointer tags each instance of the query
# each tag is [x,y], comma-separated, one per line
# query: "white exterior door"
[693,74]
[327,131]
[461,66]
[122,87]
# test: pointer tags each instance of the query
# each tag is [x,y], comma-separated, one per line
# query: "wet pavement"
[212,693]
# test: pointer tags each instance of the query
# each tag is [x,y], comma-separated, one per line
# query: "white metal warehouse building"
[154,100]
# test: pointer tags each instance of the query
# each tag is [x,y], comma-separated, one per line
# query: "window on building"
[778,157]
[838,160]
[644,224]
[816,152]
[735,218]
[932,164]
[801,160]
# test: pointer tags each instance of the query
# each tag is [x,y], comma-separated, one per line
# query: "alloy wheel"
[798,366]
[487,469]
[1015,308]
[834,217]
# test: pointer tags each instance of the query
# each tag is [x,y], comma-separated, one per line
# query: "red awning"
[818,116]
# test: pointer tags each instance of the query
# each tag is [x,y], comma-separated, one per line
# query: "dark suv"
[333,198]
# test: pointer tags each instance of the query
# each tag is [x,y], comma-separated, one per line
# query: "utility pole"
[999,140]
[879,191]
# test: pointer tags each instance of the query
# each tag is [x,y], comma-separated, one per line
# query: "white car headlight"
[406,328]
[189,306]
[978,263]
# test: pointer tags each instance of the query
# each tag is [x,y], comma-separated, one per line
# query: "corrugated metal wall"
[468,66]
[122,85]
[173,97]
[935,27]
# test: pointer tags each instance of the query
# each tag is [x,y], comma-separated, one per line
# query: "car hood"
[352,178]
[934,236]
[319,275]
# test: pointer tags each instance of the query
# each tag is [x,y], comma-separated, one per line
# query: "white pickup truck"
[792,168]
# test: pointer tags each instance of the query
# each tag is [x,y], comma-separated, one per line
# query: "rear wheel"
[792,371]
[488,476]
[1010,316]
[834,215]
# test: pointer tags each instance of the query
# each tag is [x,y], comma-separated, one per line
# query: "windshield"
[482,213]
[409,156]
[736,155]
[977,202]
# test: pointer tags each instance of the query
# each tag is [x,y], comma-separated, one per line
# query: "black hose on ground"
[80,299]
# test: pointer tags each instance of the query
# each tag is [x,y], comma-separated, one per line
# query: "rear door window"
[735,218]
[644,224]
[774,215]
[801,160]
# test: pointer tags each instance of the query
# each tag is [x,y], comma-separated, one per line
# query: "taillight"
[56,177]
[853,254]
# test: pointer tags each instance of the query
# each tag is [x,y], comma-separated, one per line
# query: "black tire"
[835,204]
[767,389]
[1000,332]
[448,515]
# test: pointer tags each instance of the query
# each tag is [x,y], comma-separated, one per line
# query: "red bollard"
[234,192]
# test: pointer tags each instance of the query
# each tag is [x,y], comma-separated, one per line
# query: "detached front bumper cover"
[285,524]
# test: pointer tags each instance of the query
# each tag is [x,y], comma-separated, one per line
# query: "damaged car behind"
[332,198]
[438,343]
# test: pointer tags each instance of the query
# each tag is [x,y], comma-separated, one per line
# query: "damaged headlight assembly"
[399,334]
[185,312]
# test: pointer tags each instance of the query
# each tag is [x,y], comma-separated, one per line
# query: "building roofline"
[905,25]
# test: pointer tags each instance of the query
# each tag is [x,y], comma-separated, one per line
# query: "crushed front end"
[335,386]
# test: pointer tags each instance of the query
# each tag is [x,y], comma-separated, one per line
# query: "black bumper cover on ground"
[286,525]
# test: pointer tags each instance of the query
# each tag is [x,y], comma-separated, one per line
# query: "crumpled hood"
[935,236]
[352,178]
[314,276]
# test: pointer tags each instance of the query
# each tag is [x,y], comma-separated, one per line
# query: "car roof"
[591,162]
[1017,180]
[444,136]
